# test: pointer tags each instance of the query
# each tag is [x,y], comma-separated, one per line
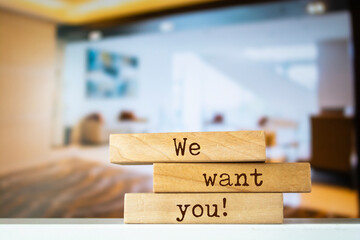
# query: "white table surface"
[304,229]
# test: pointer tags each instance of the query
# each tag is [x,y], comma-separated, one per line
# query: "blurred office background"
[74,71]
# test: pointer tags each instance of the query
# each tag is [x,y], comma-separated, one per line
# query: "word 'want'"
[225,179]
[198,210]
[181,147]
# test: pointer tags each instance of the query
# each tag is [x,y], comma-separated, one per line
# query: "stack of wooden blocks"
[208,177]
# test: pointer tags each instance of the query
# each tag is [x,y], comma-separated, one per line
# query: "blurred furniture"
[270,138]
[332,142]
[92,129]
[281,138]
[127,116]
[95,130]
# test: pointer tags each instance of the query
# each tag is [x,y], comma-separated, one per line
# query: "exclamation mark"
[224,205]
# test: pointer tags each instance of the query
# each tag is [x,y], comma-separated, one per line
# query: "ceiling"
[86,11]
[231,39]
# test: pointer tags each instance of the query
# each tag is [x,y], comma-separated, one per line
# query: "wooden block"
[147,148]
[203,208]
[232,177]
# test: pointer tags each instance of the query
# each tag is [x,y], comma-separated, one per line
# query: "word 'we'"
[180,147]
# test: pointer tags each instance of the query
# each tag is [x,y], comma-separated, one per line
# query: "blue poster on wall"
[110,75]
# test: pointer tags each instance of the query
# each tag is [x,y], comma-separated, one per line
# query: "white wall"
[205,91]
[336,87]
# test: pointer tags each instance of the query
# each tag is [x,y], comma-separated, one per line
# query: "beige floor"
[331,199]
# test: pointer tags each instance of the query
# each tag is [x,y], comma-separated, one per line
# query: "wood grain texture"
[239,146]
[232,177]
[203,208]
